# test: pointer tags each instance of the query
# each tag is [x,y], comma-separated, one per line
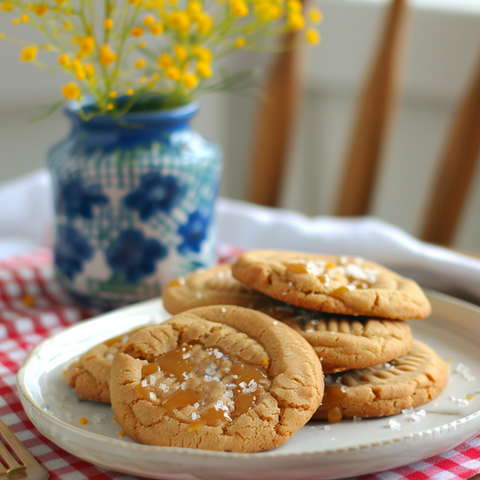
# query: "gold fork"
[29,468]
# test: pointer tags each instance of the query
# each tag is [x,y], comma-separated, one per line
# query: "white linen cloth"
[26,218]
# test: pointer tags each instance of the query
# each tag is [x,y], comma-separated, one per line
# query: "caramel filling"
[203,386]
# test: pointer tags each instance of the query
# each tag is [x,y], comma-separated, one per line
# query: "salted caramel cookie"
[334,284]
[345,342]
[220,378]
[214,286]
[387,389]
[90,375]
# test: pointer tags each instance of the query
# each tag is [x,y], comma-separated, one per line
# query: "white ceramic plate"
[317,451]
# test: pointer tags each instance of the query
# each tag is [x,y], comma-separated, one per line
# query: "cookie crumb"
[121,433]
[64,372]
[357,419]
[83,421]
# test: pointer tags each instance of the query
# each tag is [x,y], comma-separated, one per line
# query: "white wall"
[445,45]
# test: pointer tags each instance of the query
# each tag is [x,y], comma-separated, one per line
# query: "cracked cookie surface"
[220,378]
[334,284]
[89,376]
[214,286]
[387,389]
[344,343]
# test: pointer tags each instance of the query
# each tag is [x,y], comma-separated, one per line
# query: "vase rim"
[183,112]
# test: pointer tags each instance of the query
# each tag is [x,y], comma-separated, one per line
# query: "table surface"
[33,307]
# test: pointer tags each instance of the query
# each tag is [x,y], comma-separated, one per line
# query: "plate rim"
[118,443]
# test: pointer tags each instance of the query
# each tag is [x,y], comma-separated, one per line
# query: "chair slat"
[375,113]
[274,126]
[456,168]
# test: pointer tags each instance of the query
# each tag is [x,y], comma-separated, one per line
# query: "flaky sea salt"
[412,415]
[357,419]
[164,388]
[199,294]
[218,353]
[394,425]
[110,356]
[98,418]
[224,310]
[464,372]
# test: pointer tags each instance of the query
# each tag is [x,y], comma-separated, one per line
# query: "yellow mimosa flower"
[113,94]
[81,75]
[204,69]
[142,44]
[312,36]
[107,56]
[89,69]
[108,24]
[143,80]
[6,6]
[173,73]
[63,60]
[67,25]
[296,21]
[240,42]
[156,29]
[71,91]
[194,7]
[28,54]
[15,21]
[239,8]
[110,106]
[204,23]
[150,20]
[140,63]
[165,60]
[315,15]
[179,21]
[24,18]
[202,53]
[294,6]
[76,65]
[2,35]
[87,45]
[189,80]
[180,52]
[129,91]
[137,32]
[41,10]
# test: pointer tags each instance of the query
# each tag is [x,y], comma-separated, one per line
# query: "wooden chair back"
[373,121]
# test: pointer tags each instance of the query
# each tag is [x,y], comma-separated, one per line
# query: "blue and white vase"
[134,203]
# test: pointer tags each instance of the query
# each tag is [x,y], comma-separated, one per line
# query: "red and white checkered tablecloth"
[33,307]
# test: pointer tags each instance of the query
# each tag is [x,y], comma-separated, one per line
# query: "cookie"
[90,375]
[387,389]
[334,284]
[219,378]
[214,286]
[345,343]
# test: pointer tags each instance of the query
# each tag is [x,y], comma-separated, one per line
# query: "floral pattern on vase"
[77,199]
[143,201]
[155,193]
[71,251]
[134,256]
[194,232]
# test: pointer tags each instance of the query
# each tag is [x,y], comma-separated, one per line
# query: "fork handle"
[10,460]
